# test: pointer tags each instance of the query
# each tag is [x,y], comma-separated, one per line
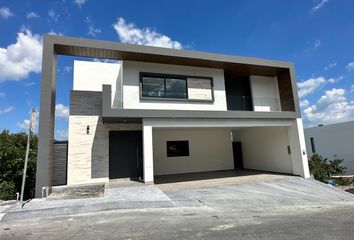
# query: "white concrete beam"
[148,153]
[298,149]
[202,123]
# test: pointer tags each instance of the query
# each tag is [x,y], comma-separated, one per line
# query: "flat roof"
[122,51]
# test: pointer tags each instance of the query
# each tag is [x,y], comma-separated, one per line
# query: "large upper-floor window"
[176,87]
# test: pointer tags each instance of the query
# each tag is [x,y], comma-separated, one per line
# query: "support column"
[298,149]
[46,119]
[148,153]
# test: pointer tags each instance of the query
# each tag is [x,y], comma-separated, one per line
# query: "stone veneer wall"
[88,153]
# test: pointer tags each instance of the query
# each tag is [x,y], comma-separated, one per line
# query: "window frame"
[173,76]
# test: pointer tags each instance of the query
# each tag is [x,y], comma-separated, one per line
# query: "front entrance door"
[237,151]
[125,154]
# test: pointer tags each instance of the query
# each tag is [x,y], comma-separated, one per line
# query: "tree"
[322,169]
[12,158]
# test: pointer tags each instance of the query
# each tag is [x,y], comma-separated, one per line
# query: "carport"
[196,146]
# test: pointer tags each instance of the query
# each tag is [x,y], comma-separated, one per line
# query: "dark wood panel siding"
[286,92]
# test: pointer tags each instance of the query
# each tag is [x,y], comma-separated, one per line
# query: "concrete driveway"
[283,208]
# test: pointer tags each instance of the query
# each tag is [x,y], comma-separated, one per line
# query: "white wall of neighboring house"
[265,93]
[333,141]
[131,95]
[209,150]
[265,148]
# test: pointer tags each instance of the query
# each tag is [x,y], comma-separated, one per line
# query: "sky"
[316,35]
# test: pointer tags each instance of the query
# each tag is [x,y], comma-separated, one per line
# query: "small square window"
[177,148]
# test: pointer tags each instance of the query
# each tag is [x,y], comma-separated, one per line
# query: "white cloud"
[5,12]
[21,58]
[129,33]
[68,68]
[62,134]
[350,66]
[310,85]
[80,2]
[6,109]
[28,84]
[329,66]
[103,60]
[352,88]
[331,107]
[52,32]
[61,111]
[32,15]
[316,44]
[92,30]
[23,124]
[2,94]
[304,103]
[53,15]
[319,5]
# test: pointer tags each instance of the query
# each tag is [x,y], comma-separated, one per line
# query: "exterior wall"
[209,150]
[265,148]
[333,141]
[131,94]
[265,93]
[90,76]
[88,154]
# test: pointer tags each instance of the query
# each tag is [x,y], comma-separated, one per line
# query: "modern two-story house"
[160,111]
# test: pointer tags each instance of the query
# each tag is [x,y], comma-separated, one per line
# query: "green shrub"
[12,159]
[322,169]
[7,190]
[342,181]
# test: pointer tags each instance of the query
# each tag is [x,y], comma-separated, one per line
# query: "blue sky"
[317,35]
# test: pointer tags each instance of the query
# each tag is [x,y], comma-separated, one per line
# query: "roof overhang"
[121,51]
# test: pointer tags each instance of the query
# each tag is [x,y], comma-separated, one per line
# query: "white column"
[298,149]
[148,153]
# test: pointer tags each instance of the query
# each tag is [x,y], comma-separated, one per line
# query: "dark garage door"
[125,154]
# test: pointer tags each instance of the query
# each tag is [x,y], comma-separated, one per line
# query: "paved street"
[283,222]
[287,208]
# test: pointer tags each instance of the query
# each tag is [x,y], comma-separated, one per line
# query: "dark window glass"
[177,148]
[153,87]
[176,88]
[164,87]
[313,147]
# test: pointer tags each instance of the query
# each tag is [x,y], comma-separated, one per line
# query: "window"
[177,148]
[153,87]
[313,147]
[164,87]
[176,87]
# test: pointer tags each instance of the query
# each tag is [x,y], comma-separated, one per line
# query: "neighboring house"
[164,111]
[334,141]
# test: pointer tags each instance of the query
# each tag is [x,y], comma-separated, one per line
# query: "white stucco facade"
[209,150]
[131,90]
[265,148]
